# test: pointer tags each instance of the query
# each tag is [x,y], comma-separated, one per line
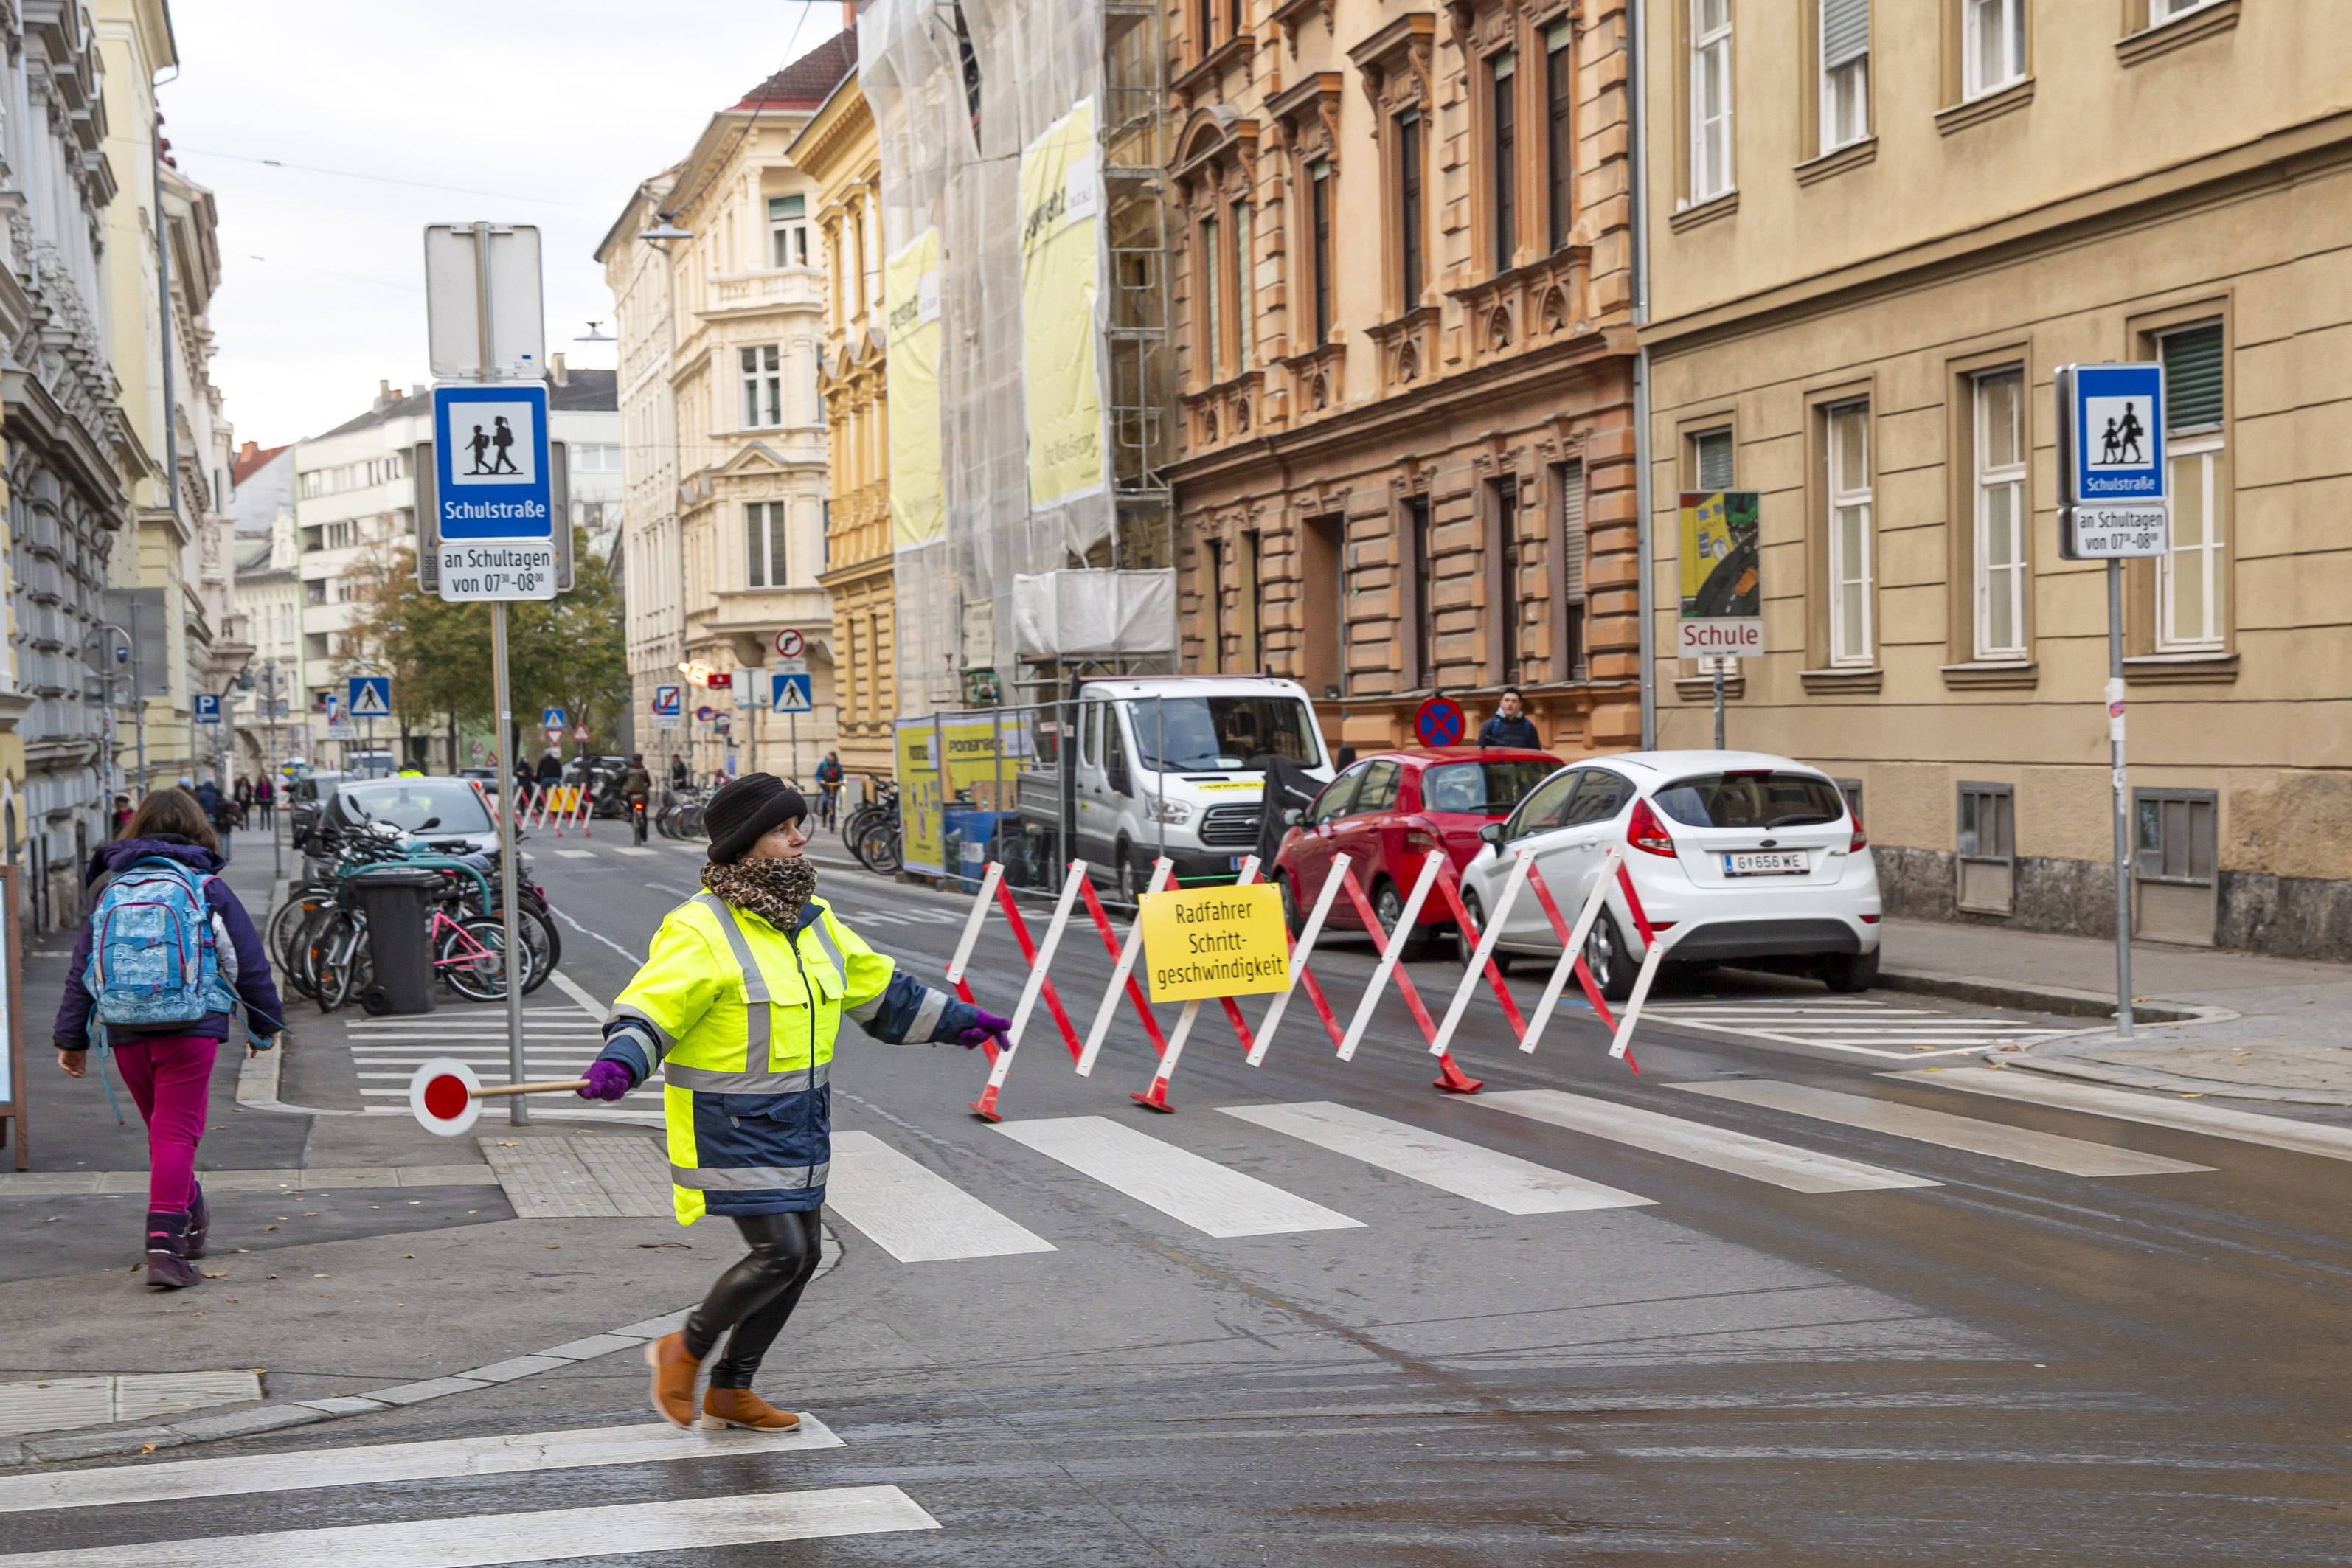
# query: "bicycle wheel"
[471,958]
[311,950]
[342,968]
[542,948]
[877,848]
[286,925]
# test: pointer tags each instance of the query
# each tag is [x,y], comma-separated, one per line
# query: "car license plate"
[1767,863]
[1237,861]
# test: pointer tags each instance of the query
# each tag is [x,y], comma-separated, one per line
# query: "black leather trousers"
[755,1297]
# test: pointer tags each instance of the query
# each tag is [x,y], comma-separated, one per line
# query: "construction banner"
[1061,246]
[910,297]
[921,822]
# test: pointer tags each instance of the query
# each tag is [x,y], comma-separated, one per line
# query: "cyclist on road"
[828,782]
[636,786]
[739,1004]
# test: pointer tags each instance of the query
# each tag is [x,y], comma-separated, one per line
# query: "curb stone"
[2148,1078]
[2062,1001]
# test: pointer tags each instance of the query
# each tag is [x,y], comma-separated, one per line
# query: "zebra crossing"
[559,1040]
[919,1214]
[476,1540]
[1854,1026]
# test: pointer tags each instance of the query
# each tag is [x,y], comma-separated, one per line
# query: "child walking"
[167,960]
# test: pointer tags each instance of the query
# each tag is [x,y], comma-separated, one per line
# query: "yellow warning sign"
[1216,942]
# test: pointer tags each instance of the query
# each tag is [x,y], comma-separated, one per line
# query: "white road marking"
[374,1464]
[482,1541]
[1483,1175]
[1854,1026]
[599,936]
[577,854]
[2074,1156]
[632,850]
[1209,1197]
[1759,1159]
[2137,1105]
[910,1211]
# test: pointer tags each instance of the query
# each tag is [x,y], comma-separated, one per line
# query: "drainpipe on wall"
[170,420]
[1637,150]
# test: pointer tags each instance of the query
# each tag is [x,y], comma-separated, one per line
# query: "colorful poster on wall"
[920,819]
[911,300]
[1061,258]
[1722,609]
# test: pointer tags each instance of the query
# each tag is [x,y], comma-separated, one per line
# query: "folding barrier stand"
[1156,1097]
[1450,1077]
[1655,954]
[1572,951]
[964,943]
[1483,959]
[1039,957]
[1122,974]
[1300,950]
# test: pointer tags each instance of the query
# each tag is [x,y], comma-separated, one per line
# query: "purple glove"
[985,1025]
[607,1079]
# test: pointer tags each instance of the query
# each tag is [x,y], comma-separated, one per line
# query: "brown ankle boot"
[723,1407]
[673,1372]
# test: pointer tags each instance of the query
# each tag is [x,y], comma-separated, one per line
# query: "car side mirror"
[1492,833]
[428,822]
[1294,816]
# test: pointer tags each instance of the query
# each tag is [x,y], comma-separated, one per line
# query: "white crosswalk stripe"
[1994,1140]
[1853,1025]
[591,855]
[911,1212]
[484,1540]
[1483,1175]
[1719,1149]
[2137,1105]
[1211,1199]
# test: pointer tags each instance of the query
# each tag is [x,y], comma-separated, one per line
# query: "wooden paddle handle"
[576,1083]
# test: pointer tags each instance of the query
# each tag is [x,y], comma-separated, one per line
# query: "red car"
[1389,811]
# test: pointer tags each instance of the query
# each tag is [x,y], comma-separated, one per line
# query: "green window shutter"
[786,206]
[1715,460]
[1845,31]
[2193,363]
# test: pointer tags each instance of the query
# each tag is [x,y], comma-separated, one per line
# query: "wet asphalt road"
[2013,1366]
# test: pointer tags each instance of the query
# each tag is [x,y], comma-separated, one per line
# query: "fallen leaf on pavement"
[2199,1095]
[411,1255]
[274,1227]
[149,1447]
[223,1273]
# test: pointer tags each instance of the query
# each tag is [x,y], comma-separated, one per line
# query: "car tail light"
[1861,839]
[1421,835]
[1647,833]
[1869,919]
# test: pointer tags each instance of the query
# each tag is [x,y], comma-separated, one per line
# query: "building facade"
[741,302]
[839,150]
[1873,245]
[267,711]
[1404,341]
[64,691]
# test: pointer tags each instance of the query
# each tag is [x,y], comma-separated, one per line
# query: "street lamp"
[138,701]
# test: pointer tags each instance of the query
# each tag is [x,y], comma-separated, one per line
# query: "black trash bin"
[392,898]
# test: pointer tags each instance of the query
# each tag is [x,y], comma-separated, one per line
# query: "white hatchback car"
[1735,855]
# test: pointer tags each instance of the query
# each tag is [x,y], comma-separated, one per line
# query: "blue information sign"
[490,449]
[2116,429]
[207,707]
[371,696]
[792,694]
[666,701]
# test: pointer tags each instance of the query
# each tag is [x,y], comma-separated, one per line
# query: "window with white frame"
[2160,11]
[764,543]
[763,387]
[2190,586]
[2000,519]
[1992,44]
[1849,531]
[1845,73]
[1711,459]
[788,231]
[1710,96]
[595,457]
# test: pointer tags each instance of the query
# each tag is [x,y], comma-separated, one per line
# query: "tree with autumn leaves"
[565,652]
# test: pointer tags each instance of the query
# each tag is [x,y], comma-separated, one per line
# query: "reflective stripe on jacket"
[741,1019]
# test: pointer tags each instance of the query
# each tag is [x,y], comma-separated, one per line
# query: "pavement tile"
[418,1392]
[344,1405]
[103,1442]
[517,1367]
[245,1423]
[592,1346]
[654,1328]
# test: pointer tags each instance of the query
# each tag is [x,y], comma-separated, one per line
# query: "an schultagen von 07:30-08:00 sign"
[1216,942]
[493,492]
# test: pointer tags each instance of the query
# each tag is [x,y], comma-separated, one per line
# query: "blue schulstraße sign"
[489,446]
[2115,416]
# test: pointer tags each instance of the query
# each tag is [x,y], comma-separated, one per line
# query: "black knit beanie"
[746,808]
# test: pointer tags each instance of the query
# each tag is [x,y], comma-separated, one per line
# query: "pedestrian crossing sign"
[793,694]
[371,697]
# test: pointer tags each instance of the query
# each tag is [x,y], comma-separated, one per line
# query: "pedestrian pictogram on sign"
[792,694]
[1440,722]
[552,719]
[371,696]
[580,734]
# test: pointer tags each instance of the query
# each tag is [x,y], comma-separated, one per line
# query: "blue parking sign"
[207,707]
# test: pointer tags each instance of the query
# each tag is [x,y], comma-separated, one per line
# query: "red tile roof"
[809,80]
[249,458]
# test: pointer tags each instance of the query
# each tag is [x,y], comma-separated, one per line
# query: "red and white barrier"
[988,881]
[1484,958]
[1122,976]
[1450,1076]
[1038,985]
[1571,952]
[1654,955]
[1300,950]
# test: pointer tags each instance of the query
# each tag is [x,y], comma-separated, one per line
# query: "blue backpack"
[153,955]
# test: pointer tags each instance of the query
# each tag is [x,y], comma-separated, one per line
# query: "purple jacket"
[265,1013]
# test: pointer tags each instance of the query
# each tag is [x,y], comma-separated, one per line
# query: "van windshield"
[1203,734]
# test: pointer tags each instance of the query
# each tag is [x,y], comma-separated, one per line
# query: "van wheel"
[1606,959]
[1126,882]
[1850,972]
[1388,907]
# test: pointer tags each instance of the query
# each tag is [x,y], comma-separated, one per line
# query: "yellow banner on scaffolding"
[1061,228]
[920,824]
[911,300]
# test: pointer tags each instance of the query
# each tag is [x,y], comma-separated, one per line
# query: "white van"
[1162,767]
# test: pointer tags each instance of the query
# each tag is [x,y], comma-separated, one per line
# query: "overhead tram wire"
[790,43]
[388,179]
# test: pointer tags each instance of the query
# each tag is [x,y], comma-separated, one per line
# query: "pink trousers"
[172,1080]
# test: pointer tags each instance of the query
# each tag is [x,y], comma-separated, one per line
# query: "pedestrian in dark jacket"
[550,767]
[1510,726]
[169,1068]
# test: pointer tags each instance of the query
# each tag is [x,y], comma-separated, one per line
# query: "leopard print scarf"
[772,889]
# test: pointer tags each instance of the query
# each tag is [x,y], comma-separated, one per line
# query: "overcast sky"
[553,108]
